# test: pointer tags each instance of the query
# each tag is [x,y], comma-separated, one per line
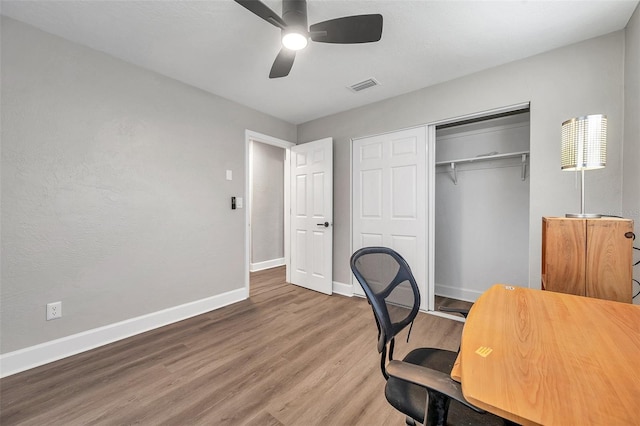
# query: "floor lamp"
[584,147]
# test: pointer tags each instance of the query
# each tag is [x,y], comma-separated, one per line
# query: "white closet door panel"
[301,195]
[404,146]
[389,196]
[301,244]
[370,206]
[319,256]
[369,240]
[404,192]
[372,151]
[407,246]
[318,195]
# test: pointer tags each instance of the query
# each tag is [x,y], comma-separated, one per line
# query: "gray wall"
[631,181]
[267,204]
[114,198]
[575,80]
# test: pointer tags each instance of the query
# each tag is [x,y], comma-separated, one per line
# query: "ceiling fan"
[296,32]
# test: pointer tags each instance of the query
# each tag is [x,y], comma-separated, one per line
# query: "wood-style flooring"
[441,301]
[285,356]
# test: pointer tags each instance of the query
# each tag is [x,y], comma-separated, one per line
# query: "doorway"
[267,206]
[307,211]
[270,154]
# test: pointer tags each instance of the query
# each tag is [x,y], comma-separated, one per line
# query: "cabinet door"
[609,259]
[563,259]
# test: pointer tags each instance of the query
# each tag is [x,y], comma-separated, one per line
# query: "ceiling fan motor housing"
[294,13]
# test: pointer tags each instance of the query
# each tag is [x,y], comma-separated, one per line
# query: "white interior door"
[390,198]
[312,215]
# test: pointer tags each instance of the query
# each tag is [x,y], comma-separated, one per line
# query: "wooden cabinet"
[588,257]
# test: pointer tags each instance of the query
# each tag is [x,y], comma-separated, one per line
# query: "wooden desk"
[552,358]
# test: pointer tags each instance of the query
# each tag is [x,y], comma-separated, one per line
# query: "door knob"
[326,224]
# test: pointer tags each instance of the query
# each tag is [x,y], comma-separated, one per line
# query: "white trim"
[248,147]
[356,289]
[249,137]
[343,289]
[353,278]
[431,216]
[248,206]
[44,353]
[267,264]
[287,214]
[481,114]
[269,140]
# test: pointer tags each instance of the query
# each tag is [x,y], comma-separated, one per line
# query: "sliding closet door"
[389,197]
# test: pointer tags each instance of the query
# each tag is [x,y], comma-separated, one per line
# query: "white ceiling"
[220,47]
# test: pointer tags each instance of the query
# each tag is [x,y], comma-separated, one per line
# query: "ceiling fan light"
[294,41]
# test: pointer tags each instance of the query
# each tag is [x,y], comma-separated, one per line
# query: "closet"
[481,205]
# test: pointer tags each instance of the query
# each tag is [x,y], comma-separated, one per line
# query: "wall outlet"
[54,310]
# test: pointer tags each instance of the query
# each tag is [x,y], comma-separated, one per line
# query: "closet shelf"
[484,158]
[452,163]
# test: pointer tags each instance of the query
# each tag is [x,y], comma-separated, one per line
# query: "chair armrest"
[429,379]
[462,311]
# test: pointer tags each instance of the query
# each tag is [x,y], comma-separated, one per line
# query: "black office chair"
[393,294]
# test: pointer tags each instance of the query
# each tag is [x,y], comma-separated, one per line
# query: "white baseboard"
[267,264]
[44,353]
[343,289]
[457,292]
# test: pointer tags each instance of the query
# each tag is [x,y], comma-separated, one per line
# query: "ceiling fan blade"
[262,10]
[283,63]
[347,30]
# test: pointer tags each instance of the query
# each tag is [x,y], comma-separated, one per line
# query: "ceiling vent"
[365,84]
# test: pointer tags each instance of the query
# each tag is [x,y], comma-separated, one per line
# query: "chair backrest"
[391,289]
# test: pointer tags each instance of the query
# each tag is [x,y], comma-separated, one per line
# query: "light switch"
[229,175]
[239,202]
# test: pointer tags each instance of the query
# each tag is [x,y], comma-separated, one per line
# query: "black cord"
[636,264]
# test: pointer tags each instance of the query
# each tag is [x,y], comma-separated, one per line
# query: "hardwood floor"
[451,303]
[285,356]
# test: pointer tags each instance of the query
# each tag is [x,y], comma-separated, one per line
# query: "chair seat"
[410,399]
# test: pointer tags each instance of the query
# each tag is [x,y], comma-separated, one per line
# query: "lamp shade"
[584,143]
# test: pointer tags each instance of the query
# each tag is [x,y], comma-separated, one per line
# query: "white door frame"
[251,136]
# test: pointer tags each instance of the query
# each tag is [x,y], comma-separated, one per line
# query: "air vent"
[358,87]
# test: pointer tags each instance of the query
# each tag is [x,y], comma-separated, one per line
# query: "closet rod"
[454,170]
[483,158]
